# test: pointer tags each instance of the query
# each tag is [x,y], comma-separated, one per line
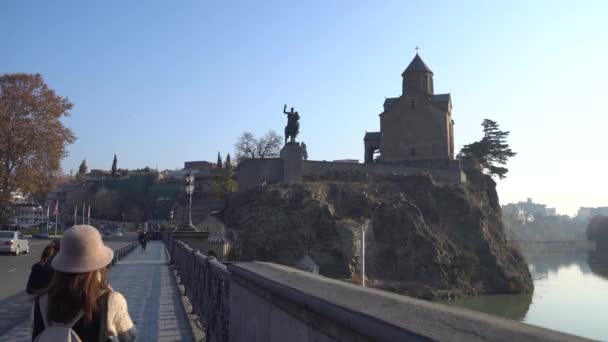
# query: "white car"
[13,242]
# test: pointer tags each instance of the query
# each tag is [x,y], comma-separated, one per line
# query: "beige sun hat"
[82,251]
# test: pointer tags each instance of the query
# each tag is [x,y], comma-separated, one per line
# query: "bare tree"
[269,145]
[250,147]
[246,146]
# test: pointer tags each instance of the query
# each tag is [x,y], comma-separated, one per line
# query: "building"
[587,213]
[528,211]
[28,215]
[417,125]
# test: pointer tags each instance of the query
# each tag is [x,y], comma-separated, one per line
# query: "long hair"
[71,292]
[47,254]
[50,251]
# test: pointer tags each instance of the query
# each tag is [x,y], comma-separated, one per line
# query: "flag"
[89,214]
[75,213]
[56,211]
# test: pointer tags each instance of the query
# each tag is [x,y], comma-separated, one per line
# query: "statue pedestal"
[291,154]
[195,239]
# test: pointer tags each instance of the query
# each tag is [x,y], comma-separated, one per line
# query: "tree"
[228,164]
[83,169]
[33,139]
[267,146]
[114,167]
[219,161]
[491,151]
[597,231]
[223,184]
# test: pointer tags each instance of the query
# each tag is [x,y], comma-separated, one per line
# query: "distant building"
[64,195]
[199,165]
[417,125]
[587,213]
[28,215]
[528,211]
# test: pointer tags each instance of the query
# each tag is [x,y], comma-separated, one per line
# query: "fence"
[123,251]
[207,285]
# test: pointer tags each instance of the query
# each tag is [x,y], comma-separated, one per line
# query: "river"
[570,295]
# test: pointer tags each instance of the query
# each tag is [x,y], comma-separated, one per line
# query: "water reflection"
[570,295]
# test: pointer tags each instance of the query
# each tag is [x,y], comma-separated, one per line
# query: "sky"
[162,82]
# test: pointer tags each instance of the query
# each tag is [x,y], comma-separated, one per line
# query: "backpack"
[54,332]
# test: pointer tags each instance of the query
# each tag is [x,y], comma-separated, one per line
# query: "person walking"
[42,272]
[80,304]
[143,240]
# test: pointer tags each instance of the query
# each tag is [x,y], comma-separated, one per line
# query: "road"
[14,270]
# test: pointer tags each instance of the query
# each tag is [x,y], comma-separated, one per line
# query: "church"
[415,126]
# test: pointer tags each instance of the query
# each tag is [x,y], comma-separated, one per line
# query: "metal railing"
[123,251]
[207,285]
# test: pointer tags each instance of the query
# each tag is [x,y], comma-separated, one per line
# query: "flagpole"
[56,216]
[48,209]
[83,209]
[75,213]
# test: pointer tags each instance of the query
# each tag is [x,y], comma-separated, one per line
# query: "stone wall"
[414,128]
[253,172]
[322,170]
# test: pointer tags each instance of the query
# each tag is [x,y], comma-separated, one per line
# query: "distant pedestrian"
[143,240]
[80,304]
[42,272]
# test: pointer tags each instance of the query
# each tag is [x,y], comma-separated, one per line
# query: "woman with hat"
[79,294]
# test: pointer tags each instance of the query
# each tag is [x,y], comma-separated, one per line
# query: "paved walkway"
[155,306]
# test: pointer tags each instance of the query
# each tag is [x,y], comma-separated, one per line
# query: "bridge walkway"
[155,305]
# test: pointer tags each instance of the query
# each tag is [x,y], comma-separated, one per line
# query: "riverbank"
[570,295]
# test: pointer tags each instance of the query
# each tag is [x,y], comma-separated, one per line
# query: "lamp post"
[189,192]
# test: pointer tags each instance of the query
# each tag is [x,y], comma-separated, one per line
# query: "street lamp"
[190,191]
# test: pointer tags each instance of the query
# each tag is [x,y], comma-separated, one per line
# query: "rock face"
[423,239]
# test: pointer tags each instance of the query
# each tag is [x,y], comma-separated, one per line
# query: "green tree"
[219,161]
[114,167]
[83,169]
[228,164]
[33,140]
[491,152]
[223,183]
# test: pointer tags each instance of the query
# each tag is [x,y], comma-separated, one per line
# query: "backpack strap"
[44,302]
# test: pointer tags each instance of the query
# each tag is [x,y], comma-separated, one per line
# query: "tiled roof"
[389,102]
[372,136]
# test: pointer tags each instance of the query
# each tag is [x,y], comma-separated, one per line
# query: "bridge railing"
[539,246]
[207,286]
[258,301]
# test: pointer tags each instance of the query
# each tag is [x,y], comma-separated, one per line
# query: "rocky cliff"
[423,238]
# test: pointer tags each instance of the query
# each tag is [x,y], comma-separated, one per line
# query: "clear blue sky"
[159,83]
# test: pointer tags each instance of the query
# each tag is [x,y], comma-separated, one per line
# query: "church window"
[413,104]
[413,151]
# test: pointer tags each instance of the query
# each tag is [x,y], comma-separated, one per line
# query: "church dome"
[417,64]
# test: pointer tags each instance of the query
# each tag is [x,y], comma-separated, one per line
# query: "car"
[13,242]
[42,236]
